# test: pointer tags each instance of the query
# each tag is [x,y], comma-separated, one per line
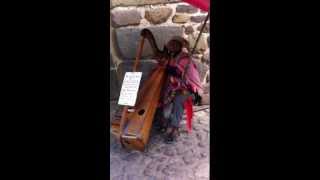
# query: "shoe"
[169,139]
[161,129]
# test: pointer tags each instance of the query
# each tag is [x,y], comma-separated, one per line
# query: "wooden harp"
[132,129]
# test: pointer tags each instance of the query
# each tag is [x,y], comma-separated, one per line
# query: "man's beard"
[174,54]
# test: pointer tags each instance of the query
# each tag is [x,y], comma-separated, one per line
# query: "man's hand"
[163,61]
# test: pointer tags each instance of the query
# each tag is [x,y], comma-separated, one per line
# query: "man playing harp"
[181,89]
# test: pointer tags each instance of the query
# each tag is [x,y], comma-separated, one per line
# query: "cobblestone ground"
[186,159]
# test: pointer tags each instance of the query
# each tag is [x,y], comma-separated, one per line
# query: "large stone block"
[202,43]
[115,3]
[125,17]
[129,38]
[206,28]
[180,18]
[114,85]
[189,30]
[145,66]
[202,11]
[159,15]
[198,19]
[186,9]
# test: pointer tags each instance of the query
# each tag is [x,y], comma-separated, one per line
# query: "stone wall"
[165,18]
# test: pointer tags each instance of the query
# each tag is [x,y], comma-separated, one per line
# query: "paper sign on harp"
[129,89]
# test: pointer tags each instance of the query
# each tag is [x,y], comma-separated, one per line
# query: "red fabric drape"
[189,112]
[201,4]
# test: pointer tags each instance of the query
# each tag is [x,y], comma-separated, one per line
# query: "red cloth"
[189,113]
[201,4]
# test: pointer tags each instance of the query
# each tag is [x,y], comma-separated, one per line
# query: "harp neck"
[148,35]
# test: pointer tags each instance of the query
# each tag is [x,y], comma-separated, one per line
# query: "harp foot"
[146,149]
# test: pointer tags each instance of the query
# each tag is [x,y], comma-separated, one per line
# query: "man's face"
[174,46]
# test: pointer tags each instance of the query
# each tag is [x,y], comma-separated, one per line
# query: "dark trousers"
[173,112]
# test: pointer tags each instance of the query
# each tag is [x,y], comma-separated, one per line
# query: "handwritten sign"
[129,89]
